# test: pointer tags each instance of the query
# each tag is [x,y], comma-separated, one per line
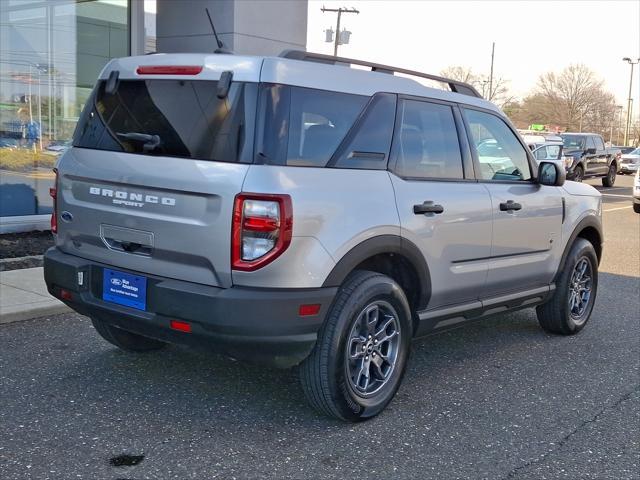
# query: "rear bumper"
[258,325]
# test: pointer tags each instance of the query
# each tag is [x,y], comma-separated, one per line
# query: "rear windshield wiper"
[151,142]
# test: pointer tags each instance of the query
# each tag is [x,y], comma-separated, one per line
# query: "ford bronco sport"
[295,211]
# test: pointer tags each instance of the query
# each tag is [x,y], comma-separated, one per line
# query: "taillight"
[53,191]
[261,230]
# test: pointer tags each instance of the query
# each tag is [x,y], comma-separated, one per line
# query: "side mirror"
[552,174]
[591,151]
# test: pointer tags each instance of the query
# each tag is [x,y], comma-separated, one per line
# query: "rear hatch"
[150,181]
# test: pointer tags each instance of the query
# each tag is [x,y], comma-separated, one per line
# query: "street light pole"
[628,123]
[340,11]
[493,50]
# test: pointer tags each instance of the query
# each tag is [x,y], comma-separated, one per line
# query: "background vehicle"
[586,156]
[534,141]
[9,143]
[636,192]
[292,211]
[623,150]
[629,162]
[549,150]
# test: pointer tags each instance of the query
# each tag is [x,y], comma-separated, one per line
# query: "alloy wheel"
[372,348]
[580,288]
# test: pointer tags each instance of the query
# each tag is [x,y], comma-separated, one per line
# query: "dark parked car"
[585,156]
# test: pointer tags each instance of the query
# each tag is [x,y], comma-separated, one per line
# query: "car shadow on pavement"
[178,382]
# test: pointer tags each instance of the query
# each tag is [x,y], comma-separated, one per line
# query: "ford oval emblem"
[66,216]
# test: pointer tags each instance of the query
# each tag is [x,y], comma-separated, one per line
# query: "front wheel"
[610,179]
[570,308]
[636,207]
[362,349]
[578,174]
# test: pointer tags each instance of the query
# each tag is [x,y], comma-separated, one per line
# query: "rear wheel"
[131,342]
[610,179]
[359,359]
[578,174]
[636,207]
[570,308]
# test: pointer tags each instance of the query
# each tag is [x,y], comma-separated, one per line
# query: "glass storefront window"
[150,26]
[50,56]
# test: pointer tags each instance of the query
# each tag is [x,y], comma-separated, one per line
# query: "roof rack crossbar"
[454,85]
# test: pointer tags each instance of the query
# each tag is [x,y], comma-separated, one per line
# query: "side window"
[369,147]
[426,142]
[500,154]
[548,152]
[599,143]
[541,153]
[590,142]
[303,126]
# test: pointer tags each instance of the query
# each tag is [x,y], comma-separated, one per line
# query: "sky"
[531,37]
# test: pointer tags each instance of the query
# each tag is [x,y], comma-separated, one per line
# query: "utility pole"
[628,123]
[484,87]
[340,11]
[493,50]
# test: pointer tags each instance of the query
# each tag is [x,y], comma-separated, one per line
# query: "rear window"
[303,126]
[573,141]
[178,118]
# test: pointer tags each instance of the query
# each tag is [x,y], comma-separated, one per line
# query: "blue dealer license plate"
[124,289]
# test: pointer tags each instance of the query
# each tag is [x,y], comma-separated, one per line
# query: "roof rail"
[454,85]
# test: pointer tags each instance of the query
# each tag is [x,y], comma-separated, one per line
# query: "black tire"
[325,374]
[130,342]
[610,179]
[578,174]
[557,315]
[636,207]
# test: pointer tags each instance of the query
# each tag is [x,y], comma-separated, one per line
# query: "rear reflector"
[169,70]
[65,294]
[309,310]
[180,326]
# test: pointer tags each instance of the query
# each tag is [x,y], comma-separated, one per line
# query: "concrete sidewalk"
[23,295]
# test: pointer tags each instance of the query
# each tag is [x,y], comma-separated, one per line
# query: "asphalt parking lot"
[498,399]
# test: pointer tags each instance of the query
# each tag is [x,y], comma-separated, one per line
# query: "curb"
[12,315]
[24,296]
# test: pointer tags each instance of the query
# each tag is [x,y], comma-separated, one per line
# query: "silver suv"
[310,210]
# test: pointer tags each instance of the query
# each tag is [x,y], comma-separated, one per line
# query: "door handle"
[427,207]
[510,205]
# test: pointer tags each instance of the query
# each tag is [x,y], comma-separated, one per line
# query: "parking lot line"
[615,195]
[619,208]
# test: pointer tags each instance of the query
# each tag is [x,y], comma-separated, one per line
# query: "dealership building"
[51,52]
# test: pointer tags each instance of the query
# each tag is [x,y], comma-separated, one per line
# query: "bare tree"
[574,99]
[461,74]
[499,93]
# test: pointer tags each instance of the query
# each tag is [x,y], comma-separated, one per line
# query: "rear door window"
[303,126]
[180,118]
[426,142]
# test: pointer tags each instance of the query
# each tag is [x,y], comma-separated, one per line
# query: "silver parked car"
[630,162]
[293,211]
